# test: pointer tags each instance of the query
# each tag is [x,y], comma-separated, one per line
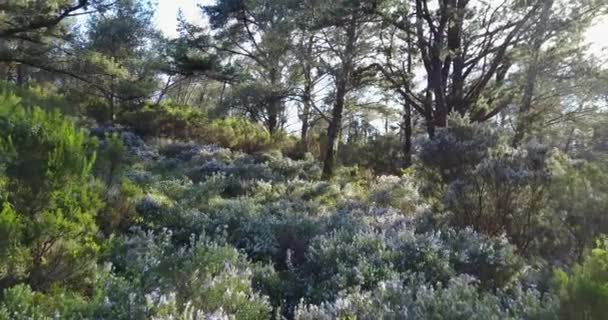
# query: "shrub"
[238,134]
[457,149]
[505,193]
[579,196]
[21,303]
[413,298]
[51,201]
[397,192]
[584,292]
[166,120]
[201,275]
[474,179]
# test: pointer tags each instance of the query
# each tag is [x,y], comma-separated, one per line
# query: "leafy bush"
[240,134]
[579,196]
[474,179]
[504,193]
[21,303]
[165,120]
[51,201]
[189,123]
[584,293]
[457,149]
[397,192]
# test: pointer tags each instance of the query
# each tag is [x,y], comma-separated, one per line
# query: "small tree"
[49,201]
[584,293]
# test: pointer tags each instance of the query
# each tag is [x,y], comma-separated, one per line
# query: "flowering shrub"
[397,192]
[205,232]
[473,179]
[413,298]
[201,275]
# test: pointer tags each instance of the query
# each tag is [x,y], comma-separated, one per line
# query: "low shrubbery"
[189,123]
[115,228]
[165,119]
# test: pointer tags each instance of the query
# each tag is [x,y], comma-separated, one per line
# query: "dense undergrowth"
[104,225]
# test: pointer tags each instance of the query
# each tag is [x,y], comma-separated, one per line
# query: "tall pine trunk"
[333,130]
[343,80]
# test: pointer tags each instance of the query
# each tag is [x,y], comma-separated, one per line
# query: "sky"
[166,20]
[167,10]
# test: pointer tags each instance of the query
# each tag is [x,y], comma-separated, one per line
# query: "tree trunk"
[306,106]
[342,83]
[456,100]
[333,131]
[305,126]
[428,116]
[272,123]
[20,75]
[274,105]
[307,96]
[407,114]
[407,136]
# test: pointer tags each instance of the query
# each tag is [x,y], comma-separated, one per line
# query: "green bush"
[584,293]
[43,96]
[191,124]
[240,134]
[50,200]
[580,194]
[166,119]
[21,303]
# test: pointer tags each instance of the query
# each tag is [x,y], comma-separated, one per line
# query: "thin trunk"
[386,125]
[342,83]
[428,116]
[307,97]
[407,114]
[306,107]
[407,139]
[20,75]
[274,105]
[163,92]
[333,131]
[223,93]
[569,141]
[305,125]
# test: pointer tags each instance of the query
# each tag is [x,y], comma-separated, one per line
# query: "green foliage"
[21,303]
[378,153]
[165,120]
[43,96]
[240,134]
[579,195]
[50,201]
[584,292]
[189,123]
